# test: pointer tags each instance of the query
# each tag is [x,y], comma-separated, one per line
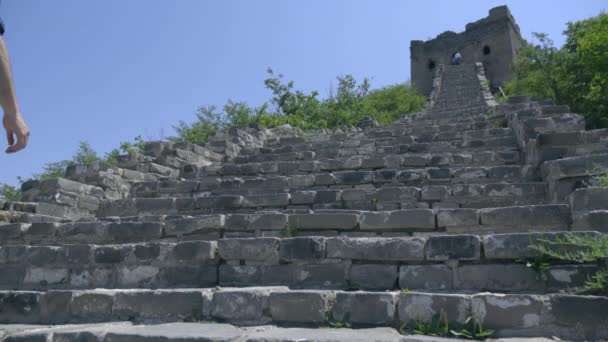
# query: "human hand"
[17,132]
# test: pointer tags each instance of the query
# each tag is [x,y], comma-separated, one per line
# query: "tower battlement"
[494,41]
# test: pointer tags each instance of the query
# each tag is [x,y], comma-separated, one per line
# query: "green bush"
[9,193]
[351,102]
[575,74]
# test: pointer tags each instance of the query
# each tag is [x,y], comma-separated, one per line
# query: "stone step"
[303,163]
[390,136]
[505,314]
[438,263]
[566,175]
[394,145]
[202,331]
[558,145]
[157,227]
[383,198]
[332,179]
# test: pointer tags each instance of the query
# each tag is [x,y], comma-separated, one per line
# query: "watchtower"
[495,41]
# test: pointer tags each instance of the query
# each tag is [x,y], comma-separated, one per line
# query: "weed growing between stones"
[601,175]
[339,324]
[499,124]
[290,231]
[351,286]
[579,249]
[440,327]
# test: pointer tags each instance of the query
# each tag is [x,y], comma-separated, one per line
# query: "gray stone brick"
[243,305]
[453,247]
[134,231]
[302,248]
[364,307]
[195,251]
[423,306]
[434,193]
[536,216]
[92,306]
[426,277]
[320,276]
[220,202]
[512,311]
[374,276]
[324,179]
[324,221]
[353,177]
[19,307]
[255,249]
[267,200]
[193,225]
[303,197]
[249,222]
[582,316]
[300,306]
[397,249]
[398,219]
[499,277]
[160,305]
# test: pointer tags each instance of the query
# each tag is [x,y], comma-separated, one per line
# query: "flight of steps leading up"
[323,235]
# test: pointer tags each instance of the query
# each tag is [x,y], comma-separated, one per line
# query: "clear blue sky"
[105,71]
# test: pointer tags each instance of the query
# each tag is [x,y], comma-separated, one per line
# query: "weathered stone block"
[194,225]
[324,221]
[302,248]
[249,222]
[585,200]
[374,276]
[195,251]
[457,217]
[92,306]
[582,316]
[398,219]
[300,306]
[413,306]
[511,311]
[426,277]
[453,247]
[19,307]
[434,193]
[364,307]
[397,249]
[243,305]
[219,202]
[159,305]
[528,216]
[269,200]
[498,277]
[254,249]
[353,177]
[319,276]
[303,197]
[134,231]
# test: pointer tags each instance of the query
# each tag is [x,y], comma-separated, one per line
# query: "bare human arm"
[17,132]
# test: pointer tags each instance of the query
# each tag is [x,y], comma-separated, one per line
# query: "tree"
[9,193]
[575,74]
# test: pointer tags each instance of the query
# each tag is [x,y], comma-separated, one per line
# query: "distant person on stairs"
[17,132]
[456,58]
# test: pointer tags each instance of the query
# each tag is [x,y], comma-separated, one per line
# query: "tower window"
[431,64]
[486,50]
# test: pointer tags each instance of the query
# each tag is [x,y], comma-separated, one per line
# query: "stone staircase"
[276,235]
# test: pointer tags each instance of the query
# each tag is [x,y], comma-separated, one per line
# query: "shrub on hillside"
[352,101]
[575,74]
